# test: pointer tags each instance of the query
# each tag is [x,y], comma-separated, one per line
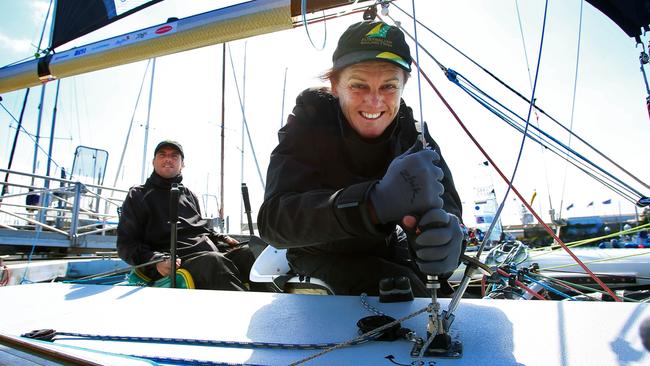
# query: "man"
[214,261]
[350,166]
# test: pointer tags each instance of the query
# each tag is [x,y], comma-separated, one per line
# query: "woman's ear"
[333,85]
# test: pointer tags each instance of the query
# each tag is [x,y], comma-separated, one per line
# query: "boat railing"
[74,209]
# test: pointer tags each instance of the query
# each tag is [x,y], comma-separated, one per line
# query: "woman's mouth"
[370,115]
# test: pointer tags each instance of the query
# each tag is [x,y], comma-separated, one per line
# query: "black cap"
[172,144]
[372,40]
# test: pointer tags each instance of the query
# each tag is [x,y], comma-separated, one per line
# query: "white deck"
[493,332]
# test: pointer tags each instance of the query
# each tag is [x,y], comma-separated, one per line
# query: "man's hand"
[164,267]
[438,242]
[411,186]
[230,241]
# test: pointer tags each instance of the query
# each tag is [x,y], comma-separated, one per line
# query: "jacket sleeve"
[131,245]
[298,210]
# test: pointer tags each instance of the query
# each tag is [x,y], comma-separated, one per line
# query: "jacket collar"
[160,182]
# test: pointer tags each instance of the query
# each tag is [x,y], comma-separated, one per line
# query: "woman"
[350,166]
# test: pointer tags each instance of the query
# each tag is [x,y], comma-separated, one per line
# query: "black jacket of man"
[143,233]
[320,174]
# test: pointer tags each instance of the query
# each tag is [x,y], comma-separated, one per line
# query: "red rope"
[516,192]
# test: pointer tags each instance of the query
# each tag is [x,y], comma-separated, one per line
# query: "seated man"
[350,166]
[214,261]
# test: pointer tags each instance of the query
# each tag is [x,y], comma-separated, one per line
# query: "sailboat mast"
[52,130]
[37,136]
[40,105]
[146,127]
[223,129]
[243,124]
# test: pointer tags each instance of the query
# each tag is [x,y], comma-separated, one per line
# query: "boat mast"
[40,105]
[146,127]
[37,135]
[243,143]
[51,146]
[223,129]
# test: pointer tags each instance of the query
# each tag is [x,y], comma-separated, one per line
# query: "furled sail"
[75,18]
[239,21]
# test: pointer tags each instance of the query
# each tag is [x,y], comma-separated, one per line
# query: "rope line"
[303,11]
[521,96]
[515,191]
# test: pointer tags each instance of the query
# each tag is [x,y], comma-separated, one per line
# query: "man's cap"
[372,40]
[169,143]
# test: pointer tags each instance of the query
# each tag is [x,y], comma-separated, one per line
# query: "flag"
[533,197]
[569,207]
[590,204]
[607,201]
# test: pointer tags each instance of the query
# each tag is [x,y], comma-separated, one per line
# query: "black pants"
[226,269]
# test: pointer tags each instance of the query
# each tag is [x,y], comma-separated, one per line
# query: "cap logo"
[378,37]
[379,31]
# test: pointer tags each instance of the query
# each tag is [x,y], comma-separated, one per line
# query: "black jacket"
[144,231]
[321,172]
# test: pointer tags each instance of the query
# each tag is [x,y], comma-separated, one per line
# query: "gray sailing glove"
[411,185]
[438,246]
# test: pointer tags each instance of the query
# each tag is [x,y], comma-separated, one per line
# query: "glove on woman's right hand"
[411,186]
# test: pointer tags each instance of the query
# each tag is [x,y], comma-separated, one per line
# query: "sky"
[609,110]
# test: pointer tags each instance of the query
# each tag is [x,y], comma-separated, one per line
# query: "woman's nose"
[373,97]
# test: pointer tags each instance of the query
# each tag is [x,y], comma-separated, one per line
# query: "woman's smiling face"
[369,94]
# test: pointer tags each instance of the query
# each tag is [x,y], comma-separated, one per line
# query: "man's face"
[369,94]
[168,162]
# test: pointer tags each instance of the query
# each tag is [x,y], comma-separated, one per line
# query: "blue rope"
[206,342]
[303,10]
[23,280]
[476,92]
[549,288]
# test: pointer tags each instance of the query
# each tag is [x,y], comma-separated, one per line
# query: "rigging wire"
[23,130]
[49,8]
[128,133]
[595,169]
[417,62]
[543,138]
[515,191]
[243,113]
[476,93]
[530,81]
[560,125]
[573,100]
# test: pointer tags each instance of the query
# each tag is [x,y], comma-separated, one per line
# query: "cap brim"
[360,56]
[170,145]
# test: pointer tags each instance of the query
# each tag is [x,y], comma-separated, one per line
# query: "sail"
[75,18]
[630,15]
